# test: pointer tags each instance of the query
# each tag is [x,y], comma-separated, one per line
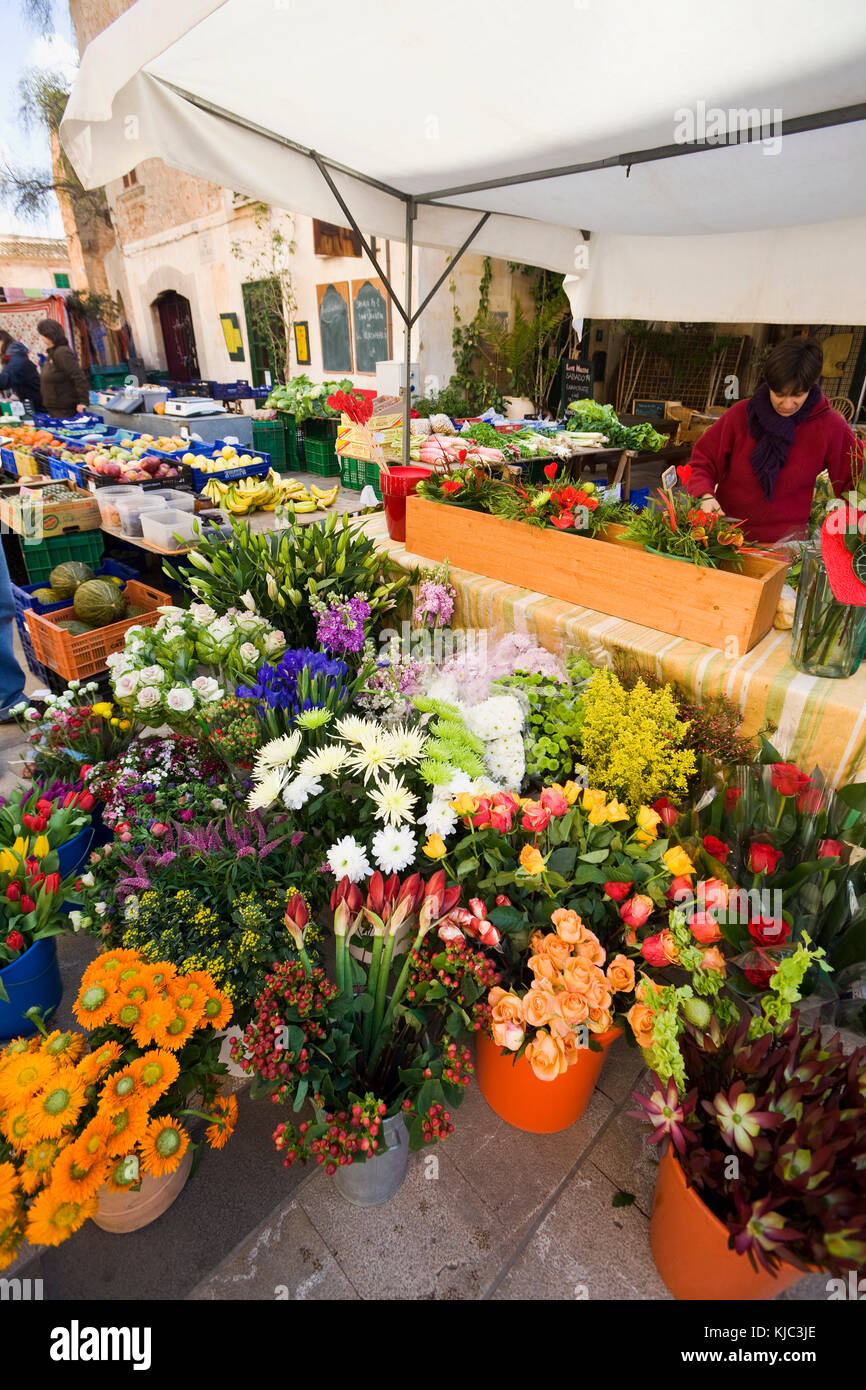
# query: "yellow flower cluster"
[632,741]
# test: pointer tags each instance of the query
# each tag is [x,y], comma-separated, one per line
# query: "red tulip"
[637,911]
[297,910]
[70,799]
[618,891]
[769,931]
[13,892]
[87,801]
[717,848]
[666,809]
[763,858]
[535,817]
[45,806]
[831,849]
[15,941]
[27,904]
[52,883]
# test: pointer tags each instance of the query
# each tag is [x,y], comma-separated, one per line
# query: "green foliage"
[591,415]
[633,742]
[552,733]
[307,399]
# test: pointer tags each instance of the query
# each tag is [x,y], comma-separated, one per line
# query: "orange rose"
[556,950]
[543,968]
[598,995]
[599,1020]
[538,1008]
[531,860]
[506,1022]
[546,1056]
[572,1007]
[620,975]
[590,948]
[568,925]
[641,1019]
[578,975]
[536,942]
[712,959]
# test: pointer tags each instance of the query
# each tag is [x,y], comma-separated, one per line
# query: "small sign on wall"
[302,344]
[234,339]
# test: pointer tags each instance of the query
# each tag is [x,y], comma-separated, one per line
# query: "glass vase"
[828,637]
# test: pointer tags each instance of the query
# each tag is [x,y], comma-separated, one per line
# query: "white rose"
[151,675]
[180,698]
[126,685]
[249,653]
[148,696]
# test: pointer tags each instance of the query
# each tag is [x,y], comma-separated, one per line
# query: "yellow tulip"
[41,846]
[435,848]
[677,862]
[21,846]
[8,862]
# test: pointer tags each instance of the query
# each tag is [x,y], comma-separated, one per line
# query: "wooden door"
[175,318]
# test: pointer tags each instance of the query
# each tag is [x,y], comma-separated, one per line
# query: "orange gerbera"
[94,1065]
[52,1219]
[189,997]
[163,1146]
[225,1117]
[77,1174]
[177,1029]
[65,1047]
[218,1007]
[95,1003]
[8,1191]
[128,1127]
[24,1075]
[58,1104]
[17,1127]
[108,966]
[163,973]
[155,1072]
[38,1166]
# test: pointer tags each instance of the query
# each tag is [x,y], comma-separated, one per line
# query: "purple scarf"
[774,434]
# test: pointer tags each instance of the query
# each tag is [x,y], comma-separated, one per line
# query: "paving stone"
[624,1156]
[284,1259]
[585,1249]
[622,1069]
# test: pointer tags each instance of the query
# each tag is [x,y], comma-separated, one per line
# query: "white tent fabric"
[420,100]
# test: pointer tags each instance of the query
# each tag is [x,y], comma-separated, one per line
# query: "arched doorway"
[175,319]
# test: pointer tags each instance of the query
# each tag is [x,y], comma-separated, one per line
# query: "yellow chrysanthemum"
[52,1219]
[94,1065]
[128,1127]
[24,1075]
[77,1174]
[58,1104]
[156,1072]
[66,1047]
[163,1146]
[225,1115]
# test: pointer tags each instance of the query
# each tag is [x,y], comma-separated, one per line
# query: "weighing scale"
[187,406]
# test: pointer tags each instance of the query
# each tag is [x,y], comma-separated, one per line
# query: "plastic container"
[356,474]
[172,497]
[72,855]
[320,456]
[31,981]
[397,485]
[372,1183]
[163,528]
[512,1089]
[108,498]
[131,509]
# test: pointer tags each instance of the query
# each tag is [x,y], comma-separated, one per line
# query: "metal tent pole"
[407,330]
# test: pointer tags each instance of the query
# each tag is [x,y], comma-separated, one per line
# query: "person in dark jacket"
[18,373]
[65,388]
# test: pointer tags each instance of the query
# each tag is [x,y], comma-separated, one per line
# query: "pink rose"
[637,911]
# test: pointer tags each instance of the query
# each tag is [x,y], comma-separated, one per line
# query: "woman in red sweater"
[760,461]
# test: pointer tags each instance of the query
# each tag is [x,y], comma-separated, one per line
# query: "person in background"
[12,678]
[759,462]
[65,388]
[18,373]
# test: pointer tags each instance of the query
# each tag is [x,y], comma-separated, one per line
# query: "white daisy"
[298,792]
[439,818]
[407,744]
[348,859]
[279,752]
[266,790]
[394,849]
[393,801]
[325,762]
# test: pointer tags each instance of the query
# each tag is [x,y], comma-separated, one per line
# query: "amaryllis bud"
[618,891]
[477,907]
[339,893]
[450,898]
[13,892]
[502,900]
[412,890]
[448,931]
[354,898]
[376,893]
[297,909]
[342,917]
[435,885]
[27,904]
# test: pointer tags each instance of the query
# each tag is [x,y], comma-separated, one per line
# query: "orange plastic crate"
[74,657]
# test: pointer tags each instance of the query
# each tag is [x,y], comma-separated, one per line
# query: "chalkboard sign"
[576,382]
[334,327]
[656,409]
[370,317]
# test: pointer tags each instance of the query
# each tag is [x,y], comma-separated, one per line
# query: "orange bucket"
[512,1089]
[690,1248]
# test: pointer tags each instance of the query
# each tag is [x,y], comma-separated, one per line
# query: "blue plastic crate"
[60,469]
[7,460]
[231,390]
[260,393]
[197,477]
[639,498]
[50,422]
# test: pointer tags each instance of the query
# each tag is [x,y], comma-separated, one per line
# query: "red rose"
[502,819]
[732,796]
[618,891]
[535,817]
[554,801]
[15,941]
[761,974]
[666,809]
[660,949]
[481,818]
[769,931]
[27,904]
[681,889]
[788,779]
[717,848]
[704,928]
[763,858]
[812,800]
[637,911]
[831,849]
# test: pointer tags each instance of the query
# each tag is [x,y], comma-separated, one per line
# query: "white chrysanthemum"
[355,729]
[267,789]
[407,744]
[393,801]
[314,718]
[373,753]
[439,818]
[394,848]
[180,698]
[297,793]
[325,762]
[498,717]
[505,760]
[348,859]
[459,782]
[279,752]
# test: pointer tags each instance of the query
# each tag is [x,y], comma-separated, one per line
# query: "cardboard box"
[23,511]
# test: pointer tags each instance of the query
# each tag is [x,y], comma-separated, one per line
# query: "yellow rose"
[41,846]
[677,862]
[591,799]
[532,860]
[615,811]
[103,709]
[465,805]
[648,820]
[435,847]
[598,815]
[571,791]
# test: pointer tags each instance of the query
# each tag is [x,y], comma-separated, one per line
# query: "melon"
[74,627]
[46,596]
[99,602]
[65,579]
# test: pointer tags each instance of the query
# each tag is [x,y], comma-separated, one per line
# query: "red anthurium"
[550,471]
[451,485]
[684,472]
[842,524]
[563,522]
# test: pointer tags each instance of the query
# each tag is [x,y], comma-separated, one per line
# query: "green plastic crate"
[294,439]
[321,428]
[356,474]
[320,457]
[105,378]
[270,435]
[39,560]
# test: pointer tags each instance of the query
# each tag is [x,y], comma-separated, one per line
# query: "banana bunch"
[266,494]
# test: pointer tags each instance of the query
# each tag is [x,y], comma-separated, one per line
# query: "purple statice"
[303,679]
[341,624]
[435,604]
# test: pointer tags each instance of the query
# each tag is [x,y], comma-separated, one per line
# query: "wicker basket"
[74,657]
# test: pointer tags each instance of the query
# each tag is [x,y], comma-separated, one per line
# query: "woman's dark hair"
[793,367]
[5,340]
[50,328]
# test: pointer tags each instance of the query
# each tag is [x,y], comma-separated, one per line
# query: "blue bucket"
[73,854]
[33,980]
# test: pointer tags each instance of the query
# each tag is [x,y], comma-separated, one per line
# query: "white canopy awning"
[407,100]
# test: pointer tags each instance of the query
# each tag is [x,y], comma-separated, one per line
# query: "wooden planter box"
[714,607]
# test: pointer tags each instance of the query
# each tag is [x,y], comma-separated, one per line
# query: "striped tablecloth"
[820,723]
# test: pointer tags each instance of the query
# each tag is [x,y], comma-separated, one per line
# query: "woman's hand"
[82,409]
[709,504]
